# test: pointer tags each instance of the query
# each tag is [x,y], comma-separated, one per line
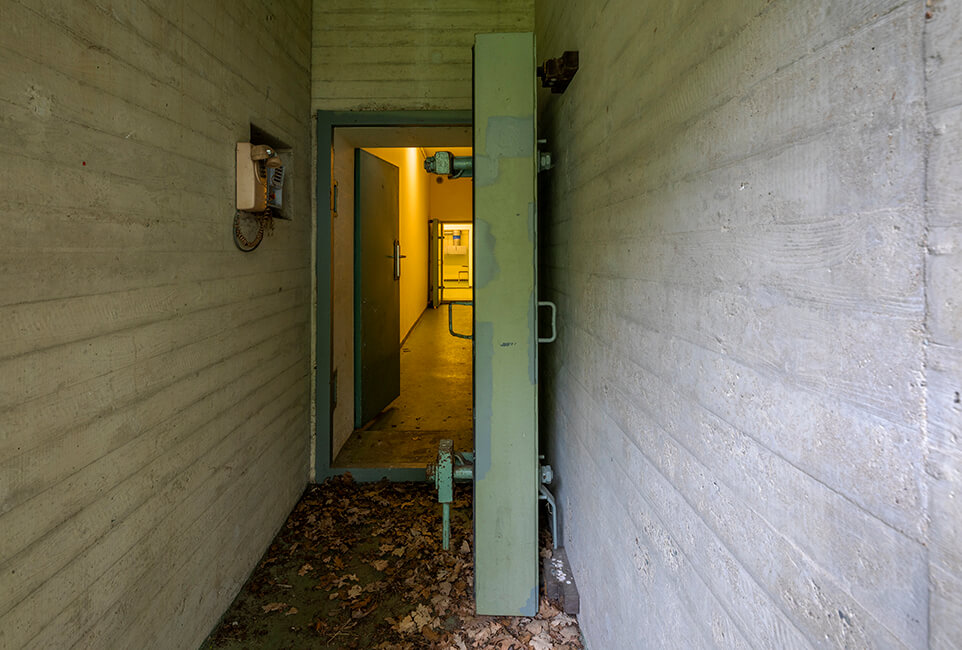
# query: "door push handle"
[397,259]
[554,321]
[451,305]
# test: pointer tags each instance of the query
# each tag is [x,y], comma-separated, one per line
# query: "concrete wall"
[735,235]
[380,55]
[943,50]
[154,380]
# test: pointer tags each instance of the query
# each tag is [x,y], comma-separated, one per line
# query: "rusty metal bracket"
[556,74]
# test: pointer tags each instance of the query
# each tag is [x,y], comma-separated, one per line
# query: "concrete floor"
[436,399]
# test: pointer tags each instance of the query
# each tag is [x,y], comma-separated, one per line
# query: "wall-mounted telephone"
[260,196]
[260,178]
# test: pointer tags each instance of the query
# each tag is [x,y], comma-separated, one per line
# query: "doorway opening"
[455,261]
[401,381]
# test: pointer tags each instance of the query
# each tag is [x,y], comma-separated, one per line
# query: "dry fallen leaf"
[505,642]
[548,610]
[535,627]
[343,580]
[563,619]
[430,634]
[405,625]
[274,607]
[421,615]
[569,633]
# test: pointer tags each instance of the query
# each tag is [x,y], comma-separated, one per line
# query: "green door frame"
[327,121]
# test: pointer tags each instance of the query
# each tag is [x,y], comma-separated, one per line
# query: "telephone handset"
[260,178]
[260,183]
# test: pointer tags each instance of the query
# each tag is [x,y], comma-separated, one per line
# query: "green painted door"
[377,307]
[505,327]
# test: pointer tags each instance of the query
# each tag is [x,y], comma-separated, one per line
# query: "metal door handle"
[451,318]
[554,321]
[397,259]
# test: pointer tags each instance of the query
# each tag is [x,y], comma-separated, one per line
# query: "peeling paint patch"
[505,137]
[486,267]
[486,170]
[509,137]
[531,607]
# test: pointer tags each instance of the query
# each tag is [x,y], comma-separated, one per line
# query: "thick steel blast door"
[505,326]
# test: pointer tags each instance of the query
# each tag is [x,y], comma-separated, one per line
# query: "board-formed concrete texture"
[505,328]
[154,380]
[752,233]
[383,55]
[943,60]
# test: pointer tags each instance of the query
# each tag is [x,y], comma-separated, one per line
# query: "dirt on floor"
[360,565]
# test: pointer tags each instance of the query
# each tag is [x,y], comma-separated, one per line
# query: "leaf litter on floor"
[360,566]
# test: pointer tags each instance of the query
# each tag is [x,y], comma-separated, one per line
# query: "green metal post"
[446,526]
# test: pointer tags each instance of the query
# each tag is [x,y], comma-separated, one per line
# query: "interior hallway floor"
[436,398]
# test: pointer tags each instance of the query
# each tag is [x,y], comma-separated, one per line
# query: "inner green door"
[377,298]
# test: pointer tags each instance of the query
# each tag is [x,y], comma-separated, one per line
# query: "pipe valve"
[449,468]
[447,164]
